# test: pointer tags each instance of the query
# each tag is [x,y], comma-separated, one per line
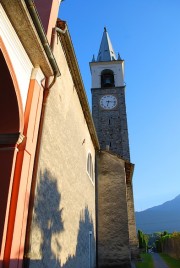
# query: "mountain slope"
[160,218]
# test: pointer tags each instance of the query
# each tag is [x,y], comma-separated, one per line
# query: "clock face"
[108,102]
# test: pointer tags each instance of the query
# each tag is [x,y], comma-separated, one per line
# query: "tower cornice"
[106,62]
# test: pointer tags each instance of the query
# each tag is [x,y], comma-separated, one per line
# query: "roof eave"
[77,79]
[129,167]
[23,24]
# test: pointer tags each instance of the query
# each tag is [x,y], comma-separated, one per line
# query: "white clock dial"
[108,102]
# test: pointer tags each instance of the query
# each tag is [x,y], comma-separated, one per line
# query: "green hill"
[160,218]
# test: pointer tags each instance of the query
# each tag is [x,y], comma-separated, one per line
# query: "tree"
[143,240]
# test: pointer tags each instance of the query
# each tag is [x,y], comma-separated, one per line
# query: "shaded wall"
[62,228]
[133,241]
[112,228]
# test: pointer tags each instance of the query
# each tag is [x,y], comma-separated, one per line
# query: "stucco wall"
[63,221]
[117,67]
[113,236]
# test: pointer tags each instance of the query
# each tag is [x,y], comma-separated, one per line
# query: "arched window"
[107,78]
[90,169]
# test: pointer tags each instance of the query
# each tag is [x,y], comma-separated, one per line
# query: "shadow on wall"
[85,248]
[48,218]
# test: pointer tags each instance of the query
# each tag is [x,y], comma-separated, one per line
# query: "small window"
[107,78]
[90,169]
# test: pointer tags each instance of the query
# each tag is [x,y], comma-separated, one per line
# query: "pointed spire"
[106,51]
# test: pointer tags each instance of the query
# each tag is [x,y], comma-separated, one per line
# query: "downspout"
[39,28]
[49,52]
[56,72]
[60,30]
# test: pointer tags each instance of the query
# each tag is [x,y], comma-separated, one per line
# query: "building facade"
[108,99]
[65,176]
[50,157]
[117,242]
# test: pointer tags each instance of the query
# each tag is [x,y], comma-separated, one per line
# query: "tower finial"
[106,51]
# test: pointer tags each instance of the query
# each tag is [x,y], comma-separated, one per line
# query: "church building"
[66,176]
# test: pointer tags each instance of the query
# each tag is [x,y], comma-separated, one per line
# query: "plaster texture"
[62,231]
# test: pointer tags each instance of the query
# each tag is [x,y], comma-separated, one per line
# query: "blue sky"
[146,33]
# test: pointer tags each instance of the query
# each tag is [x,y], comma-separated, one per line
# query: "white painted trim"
[38,75]
[20,61]
[93,165]
[116,67]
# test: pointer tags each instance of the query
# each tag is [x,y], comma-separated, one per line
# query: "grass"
[147,261]
[172,263]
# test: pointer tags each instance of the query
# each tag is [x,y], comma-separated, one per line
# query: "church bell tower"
[116,229]
[108,99]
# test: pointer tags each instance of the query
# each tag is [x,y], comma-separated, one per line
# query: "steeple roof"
[106,51]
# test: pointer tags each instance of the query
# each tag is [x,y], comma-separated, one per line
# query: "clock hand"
[107,102]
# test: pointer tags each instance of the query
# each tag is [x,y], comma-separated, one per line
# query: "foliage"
[175,235]
[172,263]
[152,239]
[140,238]
[158,245]
[143,240]
[164,235]
[147,261]
[159,242]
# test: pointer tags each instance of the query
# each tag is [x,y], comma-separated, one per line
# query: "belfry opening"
[107,78]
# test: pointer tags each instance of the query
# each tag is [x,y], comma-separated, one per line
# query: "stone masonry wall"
[112,217]
[111,125]
[62,231]
[133,241]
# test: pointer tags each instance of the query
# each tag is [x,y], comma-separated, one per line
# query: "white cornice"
[38,75]
[20,61]
[23,25]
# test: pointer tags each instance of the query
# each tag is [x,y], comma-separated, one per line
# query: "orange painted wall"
[11,124]
[32,118]
[16,160]
[15,239]
[48,12]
